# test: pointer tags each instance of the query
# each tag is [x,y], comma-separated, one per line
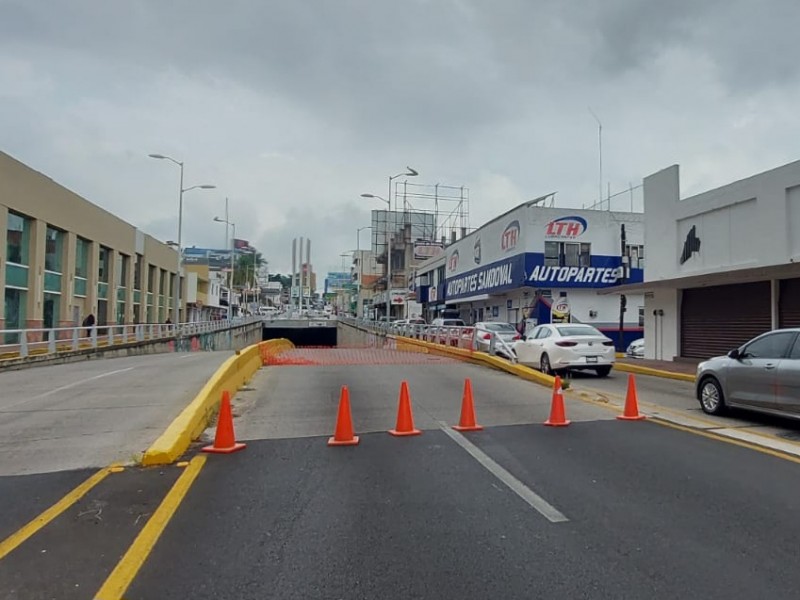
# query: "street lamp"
[360,269]
[233,252]
[176,306]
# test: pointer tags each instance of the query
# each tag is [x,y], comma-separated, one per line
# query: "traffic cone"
[631,412]
[343,435]
[405,420]
[224,440]
[558,417]
[468,421]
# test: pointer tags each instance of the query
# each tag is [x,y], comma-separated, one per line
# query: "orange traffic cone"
[405,420]
[224,441]
[343,435]
[468,422]
[631,403]
[558,417]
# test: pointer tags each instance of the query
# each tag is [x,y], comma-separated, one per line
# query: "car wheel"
[544,365]
[602,371]
[711,399]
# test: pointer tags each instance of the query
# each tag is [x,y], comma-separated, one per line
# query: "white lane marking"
[66,387]
[547,510]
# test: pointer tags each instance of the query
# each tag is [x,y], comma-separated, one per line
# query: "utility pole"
[623,301]
[600,148]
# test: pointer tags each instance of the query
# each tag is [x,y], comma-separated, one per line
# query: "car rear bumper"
[583,363]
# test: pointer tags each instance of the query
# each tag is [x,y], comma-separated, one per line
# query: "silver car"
[505,335]
[762,375]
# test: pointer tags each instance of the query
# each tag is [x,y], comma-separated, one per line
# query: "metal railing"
[22,343]
[458,337]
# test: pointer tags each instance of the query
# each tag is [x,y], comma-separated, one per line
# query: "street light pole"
[176,288]
[359,308]
[233,251]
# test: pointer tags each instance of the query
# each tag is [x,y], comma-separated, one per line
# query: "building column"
[775,299]
[128,283]
[68,252]
[3,247]
[35,312]
[92,279]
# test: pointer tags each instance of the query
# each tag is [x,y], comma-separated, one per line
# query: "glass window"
[543,333]
[18,236]
[54,239]
[586,255]
[137,273]
[568,330]
[572,255]
[773,345]
[104,264]
[552,251]
[122,270]
[82,258]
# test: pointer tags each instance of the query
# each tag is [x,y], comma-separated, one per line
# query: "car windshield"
[505,327]
[573,330]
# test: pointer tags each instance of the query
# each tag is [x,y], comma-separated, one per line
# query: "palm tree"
[246,268]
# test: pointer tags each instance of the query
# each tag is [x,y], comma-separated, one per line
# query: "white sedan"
[561,347]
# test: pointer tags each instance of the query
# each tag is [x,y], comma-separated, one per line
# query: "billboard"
[425,249]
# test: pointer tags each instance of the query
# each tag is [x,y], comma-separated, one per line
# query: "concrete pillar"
[128,283]
[68,253]
[775,299]
[35,309]
[92,278]
[3,247]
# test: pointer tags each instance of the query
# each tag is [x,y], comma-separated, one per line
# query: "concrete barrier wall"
[354,336]
[235,338]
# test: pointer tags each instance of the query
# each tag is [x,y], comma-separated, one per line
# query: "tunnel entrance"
[302,336]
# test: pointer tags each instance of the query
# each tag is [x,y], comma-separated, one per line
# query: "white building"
[533,261]
[722,266]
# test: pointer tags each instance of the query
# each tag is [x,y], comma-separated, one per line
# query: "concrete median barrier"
[193,420]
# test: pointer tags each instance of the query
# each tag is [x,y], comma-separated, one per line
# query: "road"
[94,413]
[600,509]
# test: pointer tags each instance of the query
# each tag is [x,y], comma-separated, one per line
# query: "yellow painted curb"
[193,419]
[629,368]
[483,358]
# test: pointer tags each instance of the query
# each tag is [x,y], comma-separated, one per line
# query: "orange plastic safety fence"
[352,356]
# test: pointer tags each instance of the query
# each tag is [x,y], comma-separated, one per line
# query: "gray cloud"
[295,108]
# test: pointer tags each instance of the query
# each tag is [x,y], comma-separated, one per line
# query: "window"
[18,235]
[773,345]
[567,254]
[137,273]
[122,270]
[552,254]
[54,239]
[82,247]
[104,264]
[573,330]
[641,316]
[543,333]
[636,254]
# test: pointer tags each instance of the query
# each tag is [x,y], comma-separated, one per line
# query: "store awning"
[479,298]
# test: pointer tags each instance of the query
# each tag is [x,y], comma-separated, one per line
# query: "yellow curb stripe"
[28,530]
[639,370]
[123,574]
[728,440]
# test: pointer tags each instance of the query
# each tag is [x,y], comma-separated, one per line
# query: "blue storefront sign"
[529,270]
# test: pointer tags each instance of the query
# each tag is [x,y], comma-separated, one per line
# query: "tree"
[246,268]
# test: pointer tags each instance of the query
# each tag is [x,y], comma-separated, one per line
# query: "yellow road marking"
[736,442]
[25,532]
[121,577]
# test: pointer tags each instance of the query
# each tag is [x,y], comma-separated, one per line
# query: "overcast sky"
[293,109]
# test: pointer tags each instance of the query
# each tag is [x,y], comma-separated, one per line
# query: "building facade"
[723,266]
[543,265]
[65,258]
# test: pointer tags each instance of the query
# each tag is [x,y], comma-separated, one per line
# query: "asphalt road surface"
[93,413]
[600,509]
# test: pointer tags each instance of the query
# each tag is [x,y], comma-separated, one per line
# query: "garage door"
[716,319]
[789,313]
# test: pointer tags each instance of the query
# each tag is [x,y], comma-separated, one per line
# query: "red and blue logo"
[566,228]
[452,263]
[510,236]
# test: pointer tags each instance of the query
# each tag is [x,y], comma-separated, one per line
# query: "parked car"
[762,375]
[560,347]
[485,330]
[635,349]
[406,326]
[439,330]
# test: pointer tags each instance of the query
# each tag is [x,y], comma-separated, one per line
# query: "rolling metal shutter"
[714,320]
[789,311]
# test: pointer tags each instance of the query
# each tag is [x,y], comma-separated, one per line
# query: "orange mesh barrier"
[353,356]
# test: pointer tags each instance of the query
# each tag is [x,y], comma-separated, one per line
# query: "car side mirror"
[734,354]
